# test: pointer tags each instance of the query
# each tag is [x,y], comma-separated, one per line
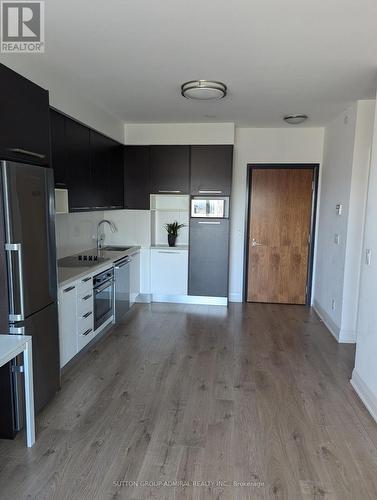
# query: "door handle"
[210,223]
[210,192]
[16,247]
[168,191]
[254,243]
[28,153]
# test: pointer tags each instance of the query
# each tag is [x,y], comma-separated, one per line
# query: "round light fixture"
[295,119]
[203,90]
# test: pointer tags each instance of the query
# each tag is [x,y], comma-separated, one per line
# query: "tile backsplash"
[76,232]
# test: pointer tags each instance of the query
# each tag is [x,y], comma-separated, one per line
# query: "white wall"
[254,145]
[76,232]
[179,133]
[344,177]
[364,377]
[64,97]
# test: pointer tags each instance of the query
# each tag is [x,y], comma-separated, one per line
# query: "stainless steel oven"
[103,293]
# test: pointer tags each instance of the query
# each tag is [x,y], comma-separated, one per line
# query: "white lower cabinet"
[76,322]
[169,271]
[68,323]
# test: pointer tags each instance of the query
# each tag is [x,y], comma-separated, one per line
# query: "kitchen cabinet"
[25,124]
[169,269]
[77,141]
[170,169]
[211,170]
[76,317]
[58,149]
[134,277]
[88,164]
[136,177]
[68,341]
[106,185]
[85,312]
[209,255]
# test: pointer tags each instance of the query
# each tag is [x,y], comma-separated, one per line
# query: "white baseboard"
[329,323]
[347,336]
[190,299]
[365,394]
[144,298]
[235,297]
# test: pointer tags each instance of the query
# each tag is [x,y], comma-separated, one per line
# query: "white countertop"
[68,274]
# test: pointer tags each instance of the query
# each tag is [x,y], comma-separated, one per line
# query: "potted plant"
[173,228]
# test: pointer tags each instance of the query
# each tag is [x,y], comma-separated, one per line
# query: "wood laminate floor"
[254,393]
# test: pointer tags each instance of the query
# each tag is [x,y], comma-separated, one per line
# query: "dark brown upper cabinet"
[79,177]
[170,169]
[25,124]
[137,177]
[58,149]
[211,170]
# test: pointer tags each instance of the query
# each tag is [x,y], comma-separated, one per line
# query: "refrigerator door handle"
[16,247]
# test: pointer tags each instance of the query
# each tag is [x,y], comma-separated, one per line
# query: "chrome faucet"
[100,238]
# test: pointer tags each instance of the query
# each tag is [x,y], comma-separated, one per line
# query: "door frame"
[313,219]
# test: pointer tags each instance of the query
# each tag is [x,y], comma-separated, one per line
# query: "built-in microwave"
[216,207]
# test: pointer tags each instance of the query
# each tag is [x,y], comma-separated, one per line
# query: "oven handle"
[105,285]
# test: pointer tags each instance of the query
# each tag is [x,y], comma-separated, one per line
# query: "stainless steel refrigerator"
[28,290]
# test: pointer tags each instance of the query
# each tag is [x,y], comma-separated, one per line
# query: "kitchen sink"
[116,249]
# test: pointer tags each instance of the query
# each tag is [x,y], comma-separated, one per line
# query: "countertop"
[68,274]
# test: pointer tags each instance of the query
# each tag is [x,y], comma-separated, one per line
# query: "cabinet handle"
[209,192]
[166,191]
[87,332]
[87,297]
[86,315]
[81,208]
[208,222]
[162,251]
[66,290]
[28,153]
[60,184]
[85,280]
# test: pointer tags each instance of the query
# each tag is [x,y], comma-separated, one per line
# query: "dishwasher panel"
[122,288]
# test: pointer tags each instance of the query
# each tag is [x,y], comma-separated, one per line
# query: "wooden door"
[279,229]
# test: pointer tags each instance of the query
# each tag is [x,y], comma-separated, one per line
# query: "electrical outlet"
[339,209]
[336,239]
[333,304]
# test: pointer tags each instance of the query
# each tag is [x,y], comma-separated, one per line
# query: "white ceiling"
[276,56]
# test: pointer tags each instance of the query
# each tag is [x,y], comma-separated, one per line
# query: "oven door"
[103,303]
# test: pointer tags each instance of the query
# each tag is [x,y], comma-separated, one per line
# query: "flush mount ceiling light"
[295,119]
[203,90]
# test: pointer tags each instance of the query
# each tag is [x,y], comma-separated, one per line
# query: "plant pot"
[171,240]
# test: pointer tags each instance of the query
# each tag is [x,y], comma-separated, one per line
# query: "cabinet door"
[106,172]
[169,271]
[58,150]
[99,164]
[134,277]
[209,254]
[136,177]
[115,176]
[170,169]
[24,124]
[78,166]
[211,170]
[67,323]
